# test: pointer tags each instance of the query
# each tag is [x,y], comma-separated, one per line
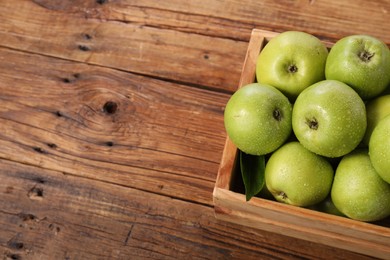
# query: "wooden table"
[111,123]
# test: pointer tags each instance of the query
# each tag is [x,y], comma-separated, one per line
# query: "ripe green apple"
[358,191]
[296,176]
[379,148]
[362,62]
[376,110]
[258,118]
[329,118]
[291,62]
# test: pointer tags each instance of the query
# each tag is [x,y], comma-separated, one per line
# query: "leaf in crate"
[252,171]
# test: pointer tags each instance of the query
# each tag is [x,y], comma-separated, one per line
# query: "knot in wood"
[110,107]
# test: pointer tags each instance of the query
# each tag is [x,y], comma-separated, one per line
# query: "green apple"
[358,191]
[296,176]
[329,118]
[258,118]
[376,110]
[362,62]
[379,148]
[291,62]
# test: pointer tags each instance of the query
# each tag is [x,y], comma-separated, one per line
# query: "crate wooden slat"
[365,238]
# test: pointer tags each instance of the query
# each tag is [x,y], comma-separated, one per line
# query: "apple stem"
[366,56]
[277,114]
[284,195]
[312,123]
[292,68]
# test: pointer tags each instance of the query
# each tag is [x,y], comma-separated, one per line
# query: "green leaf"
[252,171]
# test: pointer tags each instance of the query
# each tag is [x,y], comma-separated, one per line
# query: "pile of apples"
[319,121]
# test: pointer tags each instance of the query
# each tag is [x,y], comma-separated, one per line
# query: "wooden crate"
[230,205]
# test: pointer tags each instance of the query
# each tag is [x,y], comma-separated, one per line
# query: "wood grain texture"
[364,238]
[47,214]
[111,123]
[235,19]
[153,139]
[151,33]
[184,57]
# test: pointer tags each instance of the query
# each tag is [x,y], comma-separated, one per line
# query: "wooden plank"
[56,116]
[235,19]
[46,214]
[305,224]
[177,56]
[248,76]
[107,127]
[180,44]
